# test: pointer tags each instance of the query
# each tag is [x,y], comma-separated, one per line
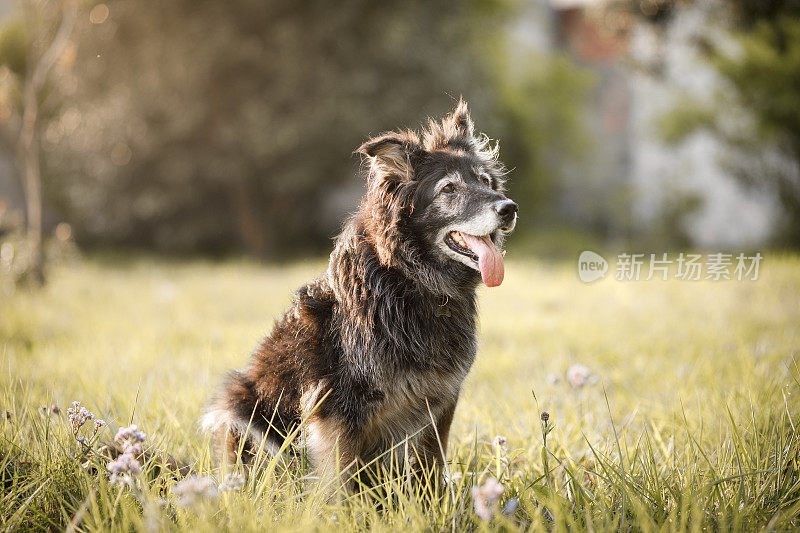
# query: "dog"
[375,351]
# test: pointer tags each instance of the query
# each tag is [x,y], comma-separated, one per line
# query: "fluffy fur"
[382,341]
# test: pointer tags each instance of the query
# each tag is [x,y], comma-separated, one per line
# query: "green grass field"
[688,425]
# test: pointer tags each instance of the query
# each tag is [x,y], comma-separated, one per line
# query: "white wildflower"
[232,482]
[130,436]
[126,465]
[194,490]
[579,376]
[78,416]
[123,480]
[486,497]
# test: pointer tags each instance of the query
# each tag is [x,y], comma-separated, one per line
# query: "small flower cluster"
[578,376]
[123,468]
[194,490]
[232,482]
[78,417]
[486,497]
[126,465]
[130,439]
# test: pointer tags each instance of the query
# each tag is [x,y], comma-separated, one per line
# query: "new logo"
[591,266]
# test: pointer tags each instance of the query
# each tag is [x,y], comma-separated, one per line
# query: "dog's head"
[435,204]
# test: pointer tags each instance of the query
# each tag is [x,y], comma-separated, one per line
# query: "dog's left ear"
[460,121]
[390,154]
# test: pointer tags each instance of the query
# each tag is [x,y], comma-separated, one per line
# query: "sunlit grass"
[690,424]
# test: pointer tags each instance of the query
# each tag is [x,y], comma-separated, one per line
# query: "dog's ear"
[455,130]
[460,121]
[390,187]
[386,145]
[390,154]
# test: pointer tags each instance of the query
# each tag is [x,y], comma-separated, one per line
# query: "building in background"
[642,68]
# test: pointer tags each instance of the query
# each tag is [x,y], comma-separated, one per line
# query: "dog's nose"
[507,209]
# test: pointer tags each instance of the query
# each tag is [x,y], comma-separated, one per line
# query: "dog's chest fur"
[404,357]
[398,365]
[423,380]
[411,400]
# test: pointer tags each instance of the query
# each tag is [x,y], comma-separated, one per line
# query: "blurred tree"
[214,126]
[757,112]
[30,46]
[541,110]
[206,125]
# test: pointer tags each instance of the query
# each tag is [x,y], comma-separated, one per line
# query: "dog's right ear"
[390,154]
[383,145]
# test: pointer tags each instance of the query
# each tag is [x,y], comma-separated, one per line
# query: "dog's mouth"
[481,251]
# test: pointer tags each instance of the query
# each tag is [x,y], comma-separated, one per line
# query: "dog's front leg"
[435,437]
[332,455]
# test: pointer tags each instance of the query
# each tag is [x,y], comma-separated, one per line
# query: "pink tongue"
[490,261]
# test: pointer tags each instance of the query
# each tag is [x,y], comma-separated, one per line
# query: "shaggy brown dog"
[376,349]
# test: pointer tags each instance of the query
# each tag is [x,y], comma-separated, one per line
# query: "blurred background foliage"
[215,128]
[202,126]
[756,111]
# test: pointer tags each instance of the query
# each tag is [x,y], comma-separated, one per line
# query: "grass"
[689,426]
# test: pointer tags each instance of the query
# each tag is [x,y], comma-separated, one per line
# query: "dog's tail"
[235,420]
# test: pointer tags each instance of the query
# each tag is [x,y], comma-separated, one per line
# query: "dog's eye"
[449,188]
[485,179]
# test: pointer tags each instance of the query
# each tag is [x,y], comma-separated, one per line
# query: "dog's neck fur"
[420,323]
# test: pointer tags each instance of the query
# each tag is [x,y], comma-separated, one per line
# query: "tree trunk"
[32,179]
[28,149]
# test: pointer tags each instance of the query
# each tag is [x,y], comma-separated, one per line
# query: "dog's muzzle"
[507,211]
